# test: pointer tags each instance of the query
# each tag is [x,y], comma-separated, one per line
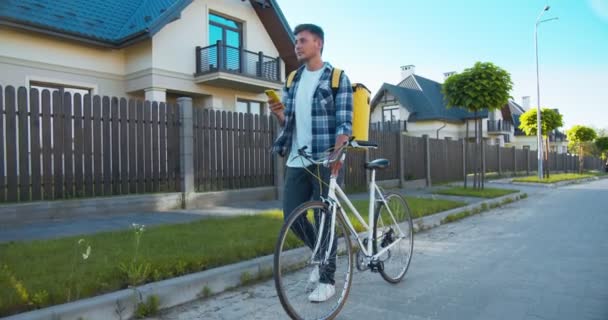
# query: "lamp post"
[538,120]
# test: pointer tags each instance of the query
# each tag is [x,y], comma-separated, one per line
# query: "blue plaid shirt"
[330,116]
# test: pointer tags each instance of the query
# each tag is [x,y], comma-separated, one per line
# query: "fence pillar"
[499,161]
[464,161]
[427,159]
[483,163]
[278,163]
[527,161]
[401,148]
[514,162]
[186,151]
[368,175]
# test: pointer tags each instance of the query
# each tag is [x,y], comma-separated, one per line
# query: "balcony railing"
[499,126]
[389,126]
[220,57]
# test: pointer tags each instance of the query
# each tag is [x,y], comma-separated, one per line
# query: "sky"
[371,40]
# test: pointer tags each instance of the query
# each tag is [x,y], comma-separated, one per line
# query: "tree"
[550,121]
[483,86]
[602,145]
[579,138]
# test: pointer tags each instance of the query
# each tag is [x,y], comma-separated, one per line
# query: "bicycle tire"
[292,266]
[394,268]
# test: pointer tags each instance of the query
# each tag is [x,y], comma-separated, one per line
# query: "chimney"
[447,74]
[408,70]
[525,102]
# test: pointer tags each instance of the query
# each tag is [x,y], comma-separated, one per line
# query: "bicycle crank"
[362,264]
[376,266]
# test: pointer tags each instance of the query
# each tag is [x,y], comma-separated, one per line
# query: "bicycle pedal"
[376,266]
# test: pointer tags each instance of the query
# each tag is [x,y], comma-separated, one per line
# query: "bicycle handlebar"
[338,154]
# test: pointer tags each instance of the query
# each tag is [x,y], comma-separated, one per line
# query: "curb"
[122,304]
[557,184]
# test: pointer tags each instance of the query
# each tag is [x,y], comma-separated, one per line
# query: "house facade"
[417,102]
[557,140]
[416,105]
[222,54]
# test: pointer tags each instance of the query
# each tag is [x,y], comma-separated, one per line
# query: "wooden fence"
[232,150]
[54,145]
[58,146]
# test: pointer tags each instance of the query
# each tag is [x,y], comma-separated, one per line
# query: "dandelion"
[86,255]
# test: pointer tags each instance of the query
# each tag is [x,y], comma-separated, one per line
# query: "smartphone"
[272,95]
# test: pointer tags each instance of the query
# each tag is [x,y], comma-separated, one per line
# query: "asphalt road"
[545,257]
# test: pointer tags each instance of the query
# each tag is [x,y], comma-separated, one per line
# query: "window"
[390,114]
[62,88]
[230,33]
[249,106]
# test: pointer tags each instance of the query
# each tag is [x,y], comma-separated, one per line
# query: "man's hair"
[312,28]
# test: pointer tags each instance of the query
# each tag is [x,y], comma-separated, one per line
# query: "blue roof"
[111,22]
[425,102]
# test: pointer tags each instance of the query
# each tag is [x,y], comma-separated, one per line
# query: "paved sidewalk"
[87,225]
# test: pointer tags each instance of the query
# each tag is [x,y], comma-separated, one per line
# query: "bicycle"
[385,245]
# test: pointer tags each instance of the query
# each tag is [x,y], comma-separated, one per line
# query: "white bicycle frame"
[335,193]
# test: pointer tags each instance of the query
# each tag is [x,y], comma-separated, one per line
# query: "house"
[222,54]
[557,140]
[418,104]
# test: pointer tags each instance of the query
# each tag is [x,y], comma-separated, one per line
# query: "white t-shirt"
[302,134]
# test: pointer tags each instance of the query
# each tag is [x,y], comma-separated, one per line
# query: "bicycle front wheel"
[305,257]
[394,230]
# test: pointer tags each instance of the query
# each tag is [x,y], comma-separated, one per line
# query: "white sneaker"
[314,275]
[323,292]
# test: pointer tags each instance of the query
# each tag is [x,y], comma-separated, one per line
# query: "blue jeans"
[301,186]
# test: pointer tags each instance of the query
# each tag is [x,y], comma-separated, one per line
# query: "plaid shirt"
[330,116]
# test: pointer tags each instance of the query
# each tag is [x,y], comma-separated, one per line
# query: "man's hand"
[341,140]
[277,108]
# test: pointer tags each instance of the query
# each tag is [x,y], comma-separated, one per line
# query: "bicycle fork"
[333,207]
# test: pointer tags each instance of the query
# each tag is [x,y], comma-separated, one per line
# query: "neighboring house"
[419,105]
[221,53]
[557,139]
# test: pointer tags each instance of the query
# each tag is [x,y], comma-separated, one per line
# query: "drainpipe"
[444,125]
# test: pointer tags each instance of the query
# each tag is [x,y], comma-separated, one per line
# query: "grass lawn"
[470,192]
[36,274]
[555,178]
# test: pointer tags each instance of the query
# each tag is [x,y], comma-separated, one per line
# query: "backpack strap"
[290,79]
[336,75]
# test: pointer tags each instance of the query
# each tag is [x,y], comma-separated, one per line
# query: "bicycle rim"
[387,231]
[294,263]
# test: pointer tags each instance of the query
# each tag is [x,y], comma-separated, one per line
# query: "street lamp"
[538,121]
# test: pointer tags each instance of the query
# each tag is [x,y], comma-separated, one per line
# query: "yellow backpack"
[361,100]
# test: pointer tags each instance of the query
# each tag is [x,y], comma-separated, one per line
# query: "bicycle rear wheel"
[394,227]
[295,261]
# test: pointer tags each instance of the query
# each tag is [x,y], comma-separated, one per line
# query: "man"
[310,115]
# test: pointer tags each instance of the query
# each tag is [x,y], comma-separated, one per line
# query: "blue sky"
[370,40]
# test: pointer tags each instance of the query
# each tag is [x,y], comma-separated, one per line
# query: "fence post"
[464,161]
[186,151]
[401,141]
[499,162]
[514,162]
[427,159]
[278,163]
[483,163]
[527,161]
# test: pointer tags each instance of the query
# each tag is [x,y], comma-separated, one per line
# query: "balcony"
[389,126]
[499,127]
[224,66]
